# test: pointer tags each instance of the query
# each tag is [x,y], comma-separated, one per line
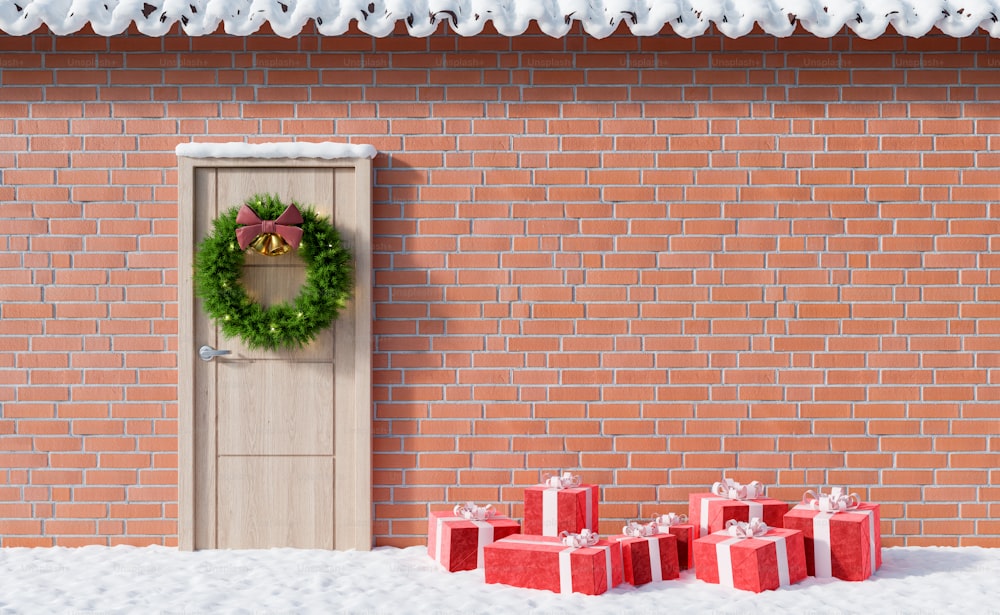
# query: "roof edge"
[868,19]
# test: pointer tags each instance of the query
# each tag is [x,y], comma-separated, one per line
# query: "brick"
[642,274]
[10,527]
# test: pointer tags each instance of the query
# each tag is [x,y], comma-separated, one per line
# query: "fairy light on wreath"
[269,227]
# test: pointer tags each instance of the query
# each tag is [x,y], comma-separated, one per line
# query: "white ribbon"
[585,538]
[822,548]
[474,513]
[835,501]
[591,519]
[565,481]
[641,530]
[755,528]
[485,535]
[756,510]
[724,560]
[669,520]
[566,571]
[732,490]
[655,565]
[872,551]
[550,512]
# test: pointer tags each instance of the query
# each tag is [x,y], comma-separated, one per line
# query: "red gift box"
[457,542]
[550,509]
[545,562]
[710,513]
[757,563]
[844,544]
[686,534]
[648,558]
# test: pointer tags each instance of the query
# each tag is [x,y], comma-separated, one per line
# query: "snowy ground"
[153,580]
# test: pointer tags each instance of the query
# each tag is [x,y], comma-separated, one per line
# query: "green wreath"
[218,265]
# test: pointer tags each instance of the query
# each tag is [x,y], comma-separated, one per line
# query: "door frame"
[352,429]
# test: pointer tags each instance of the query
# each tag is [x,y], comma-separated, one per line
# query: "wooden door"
[275,446]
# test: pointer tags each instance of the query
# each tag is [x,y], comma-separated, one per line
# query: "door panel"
[275,408]
[273,279]
[321,349]
[269,502]
[270,286]
[306,186]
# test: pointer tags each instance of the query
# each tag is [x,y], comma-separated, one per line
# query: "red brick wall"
[644,260]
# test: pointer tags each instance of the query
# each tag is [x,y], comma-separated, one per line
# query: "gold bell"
[270,244]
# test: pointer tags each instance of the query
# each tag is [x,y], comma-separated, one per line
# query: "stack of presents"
[733,536]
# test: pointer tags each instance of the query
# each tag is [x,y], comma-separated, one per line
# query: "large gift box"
[456,538]
[751,556]
[560,504]
[686,533]
[842,534]
[731,501]
[647,554]
[567,564]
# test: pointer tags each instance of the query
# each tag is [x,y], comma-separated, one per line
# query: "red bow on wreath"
[280,226]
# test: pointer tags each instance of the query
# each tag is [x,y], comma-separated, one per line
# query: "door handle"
[207,353]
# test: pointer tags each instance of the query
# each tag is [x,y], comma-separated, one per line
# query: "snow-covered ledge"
[326,150]
[557,18]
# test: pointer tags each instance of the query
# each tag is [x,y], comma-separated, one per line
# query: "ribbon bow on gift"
[640,530]
[585,538]
[835,501]
[730,489]
[282,226]
[565,481]
[742,529]
[474,513]
[670,519]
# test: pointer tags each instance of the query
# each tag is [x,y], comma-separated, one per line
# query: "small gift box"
[647,554]
[731,501]
[560,504]
[456,539]
[570,563]
[842,534]
[686,533]
[751,556]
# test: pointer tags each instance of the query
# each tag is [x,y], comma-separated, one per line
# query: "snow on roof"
[300,149]
[599,18]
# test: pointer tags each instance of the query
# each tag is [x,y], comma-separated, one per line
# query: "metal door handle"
[207,353]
